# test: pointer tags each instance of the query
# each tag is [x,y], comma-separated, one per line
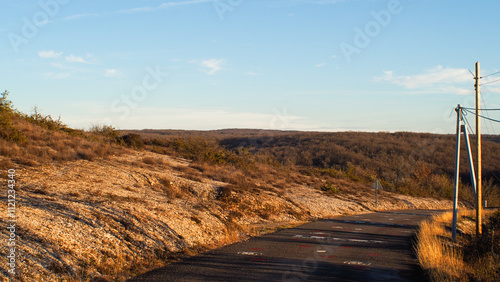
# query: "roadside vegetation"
[34,139]
[470,258]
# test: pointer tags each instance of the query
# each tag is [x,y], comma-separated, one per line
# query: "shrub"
[132,140]
[106,131]
[225,193]
[330,188]
[5,104]
[34,139]
[45,121]
[149,160]
[168,187]
[7,112]
[482,252]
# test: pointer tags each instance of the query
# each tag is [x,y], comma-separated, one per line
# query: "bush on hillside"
[132,140]
[7,112]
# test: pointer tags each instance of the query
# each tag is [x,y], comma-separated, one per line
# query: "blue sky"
[361,65]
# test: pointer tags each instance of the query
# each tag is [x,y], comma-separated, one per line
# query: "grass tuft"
[442,261]
[469,258]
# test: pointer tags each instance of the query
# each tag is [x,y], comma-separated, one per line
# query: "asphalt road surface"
[369,247]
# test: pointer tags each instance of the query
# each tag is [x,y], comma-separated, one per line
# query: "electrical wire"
[473,76]
[473,109]
[489,82]
[488,115]
[490,74]
[464,114]
[482,116]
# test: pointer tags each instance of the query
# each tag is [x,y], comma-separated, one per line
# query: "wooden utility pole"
[479,198]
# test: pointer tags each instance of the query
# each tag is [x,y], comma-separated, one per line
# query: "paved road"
[370,247]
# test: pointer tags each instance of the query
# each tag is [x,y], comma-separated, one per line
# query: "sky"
[317,65]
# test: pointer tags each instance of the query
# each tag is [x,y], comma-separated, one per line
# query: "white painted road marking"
[310,237]
[249,253]
[353,262]
[357,240]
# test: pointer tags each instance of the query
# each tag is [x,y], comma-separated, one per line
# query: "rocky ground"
[116,218]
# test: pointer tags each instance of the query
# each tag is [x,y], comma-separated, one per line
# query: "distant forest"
[419,164]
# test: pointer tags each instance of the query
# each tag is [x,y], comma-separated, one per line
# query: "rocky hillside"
[122,216]
[96,205]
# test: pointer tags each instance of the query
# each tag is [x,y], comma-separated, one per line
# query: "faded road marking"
[353,262]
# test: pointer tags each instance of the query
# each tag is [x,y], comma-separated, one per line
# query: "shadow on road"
[215,267]
[371,247]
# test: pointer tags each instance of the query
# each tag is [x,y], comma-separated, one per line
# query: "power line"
[464,114]
[491,74]
[481,116]
[490,119]
[472,74]
[489,82]
[487,114]
[472,109]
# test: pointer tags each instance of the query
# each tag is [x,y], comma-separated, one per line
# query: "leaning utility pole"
[457,174]
[479,204]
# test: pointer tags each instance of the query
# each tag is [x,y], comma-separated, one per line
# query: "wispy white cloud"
[144,9]
[51,75]
[138,10]
[196,118]
[183,3]
[320,2]
[211,66]
[78,59]
[49,54]
[172,4]
[251,73]
[164,5]
[490,89]
[58,65]
[320,65]
[114,73]
[79,16]
[437,79]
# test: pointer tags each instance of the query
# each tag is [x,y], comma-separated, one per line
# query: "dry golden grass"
[442,258]
[41,145]
[470,258]
[443,262]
